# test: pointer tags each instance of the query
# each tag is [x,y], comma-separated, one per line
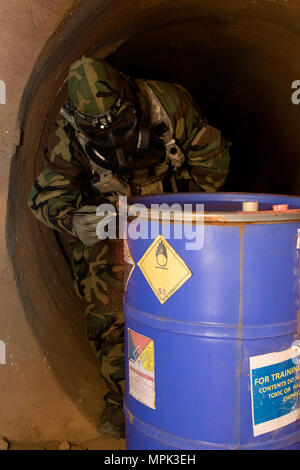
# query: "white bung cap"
[250,206]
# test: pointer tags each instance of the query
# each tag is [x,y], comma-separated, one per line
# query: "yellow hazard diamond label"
[164,269]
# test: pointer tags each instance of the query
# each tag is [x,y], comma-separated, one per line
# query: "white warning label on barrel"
[141,368]
[275,390]
[164,269]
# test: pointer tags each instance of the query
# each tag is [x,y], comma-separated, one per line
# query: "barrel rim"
[263,216]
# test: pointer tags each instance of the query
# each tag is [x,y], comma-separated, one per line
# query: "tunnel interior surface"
[238,59]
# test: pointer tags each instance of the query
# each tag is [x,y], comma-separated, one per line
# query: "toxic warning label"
[275,390]
[164,269]
[141,368]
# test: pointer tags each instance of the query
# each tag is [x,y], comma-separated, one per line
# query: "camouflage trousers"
[98,274]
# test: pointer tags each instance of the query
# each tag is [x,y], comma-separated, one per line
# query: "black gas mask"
[118,145]
[116,140]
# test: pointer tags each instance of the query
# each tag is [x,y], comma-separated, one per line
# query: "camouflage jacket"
[66,184]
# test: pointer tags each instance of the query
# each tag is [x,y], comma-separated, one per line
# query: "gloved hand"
[85,222]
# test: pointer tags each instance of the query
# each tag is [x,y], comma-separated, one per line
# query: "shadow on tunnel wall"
[238,60]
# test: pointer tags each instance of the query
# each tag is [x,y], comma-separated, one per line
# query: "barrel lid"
[218,207]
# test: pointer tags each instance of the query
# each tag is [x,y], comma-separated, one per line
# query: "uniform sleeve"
[62,187]
[207,152]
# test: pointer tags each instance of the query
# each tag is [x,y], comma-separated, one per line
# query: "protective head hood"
[96,89]
[106,114]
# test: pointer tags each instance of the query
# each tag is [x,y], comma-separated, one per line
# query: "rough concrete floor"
[101,443]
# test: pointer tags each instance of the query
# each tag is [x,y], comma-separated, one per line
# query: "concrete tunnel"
[238,58]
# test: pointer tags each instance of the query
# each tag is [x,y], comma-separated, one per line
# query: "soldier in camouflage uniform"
[118,136]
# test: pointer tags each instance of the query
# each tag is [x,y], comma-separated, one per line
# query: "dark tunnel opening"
[234,94]
[237,59]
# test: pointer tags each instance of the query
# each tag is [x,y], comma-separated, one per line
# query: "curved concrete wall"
[238,58]
[33,405]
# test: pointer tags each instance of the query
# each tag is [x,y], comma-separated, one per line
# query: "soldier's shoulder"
[62,141]
[161,87]
[62,130]
[167,93]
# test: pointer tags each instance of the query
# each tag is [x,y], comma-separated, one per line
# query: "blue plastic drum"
[211,334]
